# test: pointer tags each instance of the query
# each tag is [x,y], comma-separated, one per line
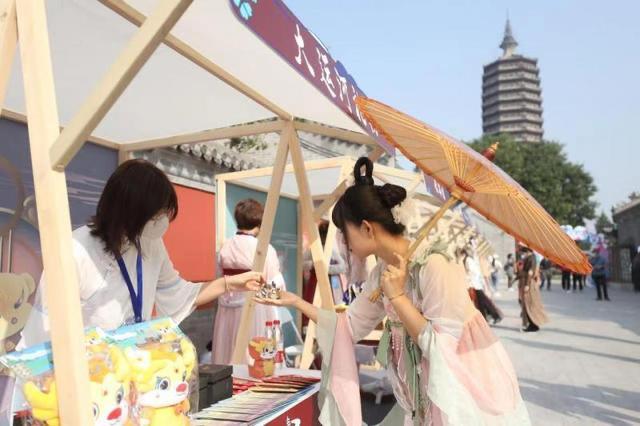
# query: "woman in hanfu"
[445,364]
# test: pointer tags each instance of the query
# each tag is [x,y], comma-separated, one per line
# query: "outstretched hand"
[286,299]
[248,281]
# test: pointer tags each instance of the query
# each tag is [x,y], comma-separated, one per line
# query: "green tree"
[603,223]
[563,188]
[248,143]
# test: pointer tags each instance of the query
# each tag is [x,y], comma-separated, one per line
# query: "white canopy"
[171,94]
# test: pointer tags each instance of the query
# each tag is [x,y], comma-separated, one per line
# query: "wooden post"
[306,204]
[62,298]
[8,40]
[307,350]
[123,155]
[299,268]
[268,218]
[122,71]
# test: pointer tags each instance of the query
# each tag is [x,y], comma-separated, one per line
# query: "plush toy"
[109,385]
[262,352]
[95,343]
[160,375]
[43,402]
[14,307]
[163,331]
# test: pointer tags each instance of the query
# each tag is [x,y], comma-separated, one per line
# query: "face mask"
[156,228]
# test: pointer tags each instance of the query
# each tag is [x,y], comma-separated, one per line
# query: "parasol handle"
[423,232]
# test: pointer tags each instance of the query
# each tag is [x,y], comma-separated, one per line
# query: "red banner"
[280,29]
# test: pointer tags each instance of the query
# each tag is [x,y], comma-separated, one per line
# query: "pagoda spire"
[509,43]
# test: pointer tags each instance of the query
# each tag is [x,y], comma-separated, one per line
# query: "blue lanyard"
[136,299]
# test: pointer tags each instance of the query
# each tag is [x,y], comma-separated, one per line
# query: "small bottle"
[277,333]
[268,332]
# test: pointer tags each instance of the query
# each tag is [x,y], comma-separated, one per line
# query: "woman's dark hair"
[367,201]
[134,194]
[248,214]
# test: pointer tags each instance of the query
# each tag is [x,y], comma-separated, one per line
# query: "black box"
[216,384]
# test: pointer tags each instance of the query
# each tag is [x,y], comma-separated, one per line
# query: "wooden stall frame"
[310,337]
[24,21]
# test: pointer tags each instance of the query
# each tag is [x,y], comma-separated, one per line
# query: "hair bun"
[367,178]
[391,195]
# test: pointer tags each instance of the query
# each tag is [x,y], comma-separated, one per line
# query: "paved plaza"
[583,368]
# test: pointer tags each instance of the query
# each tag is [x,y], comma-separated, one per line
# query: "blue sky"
[426,58]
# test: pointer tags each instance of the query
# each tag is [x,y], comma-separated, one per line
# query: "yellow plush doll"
[44,403]
[109,386]
[161,378]
[164,329]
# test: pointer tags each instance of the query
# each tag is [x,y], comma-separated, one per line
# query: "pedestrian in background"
[577,281]
[600,274]
[546,272]
[510,270]
[566,279]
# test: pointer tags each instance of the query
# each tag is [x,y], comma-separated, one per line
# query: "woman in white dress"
[235,257]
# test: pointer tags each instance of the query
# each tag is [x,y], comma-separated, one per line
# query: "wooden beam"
[306,204]
[307,357]
[113,84]
[136,18]
[323,296]
[260,188]
[299,267]
[63,296]
[232,177]
[8,41]
[123,156]
[334,132]
[416,182]
[268,218]
[307,350]
[238,131]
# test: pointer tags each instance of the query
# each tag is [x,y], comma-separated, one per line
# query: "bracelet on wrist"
[226,284]
[396,296]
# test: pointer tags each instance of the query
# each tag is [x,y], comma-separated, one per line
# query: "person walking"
[599,274]
[566,279]
[577,281]
[510,270]
[546,272]
[533,313]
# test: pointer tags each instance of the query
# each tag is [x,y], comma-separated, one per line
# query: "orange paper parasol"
[475,180]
